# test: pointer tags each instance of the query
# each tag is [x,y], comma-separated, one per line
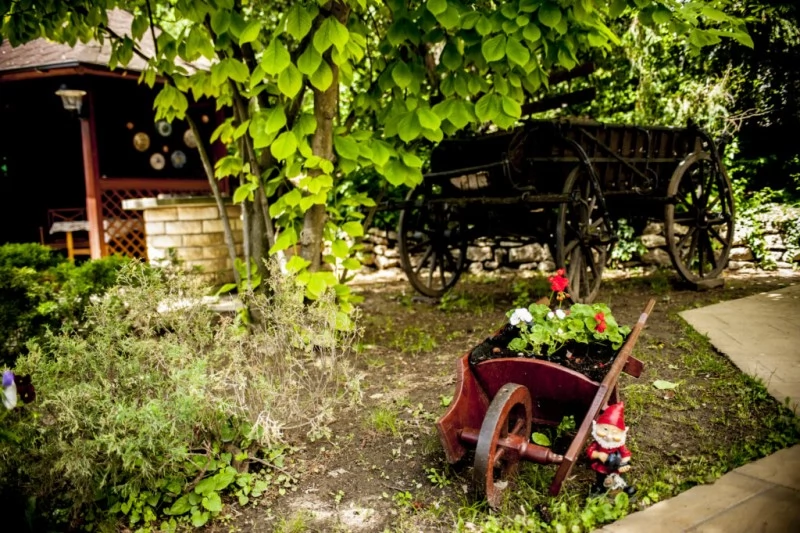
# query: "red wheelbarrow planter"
[497,401]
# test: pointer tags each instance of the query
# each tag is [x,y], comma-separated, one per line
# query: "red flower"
[558,282]
[601,327]
[600,317]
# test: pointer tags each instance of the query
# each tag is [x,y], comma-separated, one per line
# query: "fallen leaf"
[660,384]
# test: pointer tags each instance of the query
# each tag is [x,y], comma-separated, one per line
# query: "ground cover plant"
[156,408]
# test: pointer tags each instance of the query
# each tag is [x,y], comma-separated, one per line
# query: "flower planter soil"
[591,360]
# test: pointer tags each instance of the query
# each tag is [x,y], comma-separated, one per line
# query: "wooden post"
[94,206]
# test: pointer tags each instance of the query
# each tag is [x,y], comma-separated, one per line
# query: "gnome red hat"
[614,415]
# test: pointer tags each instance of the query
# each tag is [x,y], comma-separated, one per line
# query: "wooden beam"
[562,100]
[565,75]
[67,70]
[94,206]
[175,184]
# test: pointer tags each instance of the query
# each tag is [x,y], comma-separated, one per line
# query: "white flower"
[560,331]
[560,314]
[520,315]
[10,396]
[551,315]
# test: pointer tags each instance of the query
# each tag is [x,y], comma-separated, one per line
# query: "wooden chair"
[68,221]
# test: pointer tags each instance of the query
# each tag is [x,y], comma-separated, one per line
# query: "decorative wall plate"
[164,128]
[157,161]
[188,138]
[141,141]
[178,159]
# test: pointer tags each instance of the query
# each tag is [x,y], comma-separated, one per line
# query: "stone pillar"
[189,230]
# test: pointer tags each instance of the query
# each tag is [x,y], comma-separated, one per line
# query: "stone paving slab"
[761,335]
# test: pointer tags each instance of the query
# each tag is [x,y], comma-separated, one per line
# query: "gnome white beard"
[607,443]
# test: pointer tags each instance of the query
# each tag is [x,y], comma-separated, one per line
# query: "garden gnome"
[608,453]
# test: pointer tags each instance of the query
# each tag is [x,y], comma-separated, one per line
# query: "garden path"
[761,335]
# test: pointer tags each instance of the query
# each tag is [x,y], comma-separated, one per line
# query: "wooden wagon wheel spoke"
[429,264]
[709,217]
[494,467]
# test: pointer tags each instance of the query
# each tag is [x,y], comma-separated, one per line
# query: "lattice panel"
[124,229]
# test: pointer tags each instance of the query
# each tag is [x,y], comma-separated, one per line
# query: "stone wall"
[381,249]
[190,230]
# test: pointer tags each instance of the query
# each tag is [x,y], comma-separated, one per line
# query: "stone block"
[367,259]
[783,264]
[491,265]
[184,227]
[529,253]
[215,252]
[510,244]
[155,254]
[741,253]
[379,249]
[213,226]
[475,268]
[737,265]
[154,228]
[367,247]
[775,242]
[160,215]
[391,235]
[528,266]
[501,256]
[234,211]
[208,265]
[204,239]
[679,229]
[384,262]
[190,212]
[547,266]
[479,253]
[792,256]
[193,252]
[164,241]
[657,256]
[391,253]
[775,256]
[654,228]
[653,240]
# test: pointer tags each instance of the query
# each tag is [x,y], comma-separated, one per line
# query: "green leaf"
[541,439]
[205,487]
[241,193]
[275,58]
[617,7]
[276,119]
[411,160]
[199,518]
[340,249]
[517,53]
[488,107]
[309,61]
[284,146]
[331,32]
[437,6]
[451,58]
[483,26]
[428,119]
[532,32]
[511,107]
[296,263]
[550,15]
[401,74]
[346,147]
[494,49]
[287,238]
[290,81]
[180,506]
[409,127]
[711,14]
[220,21]
[323,77]
[351,263]
[212,502]
[250,32]
[298,21]
[353,229]
[660,384]
[661,15]
[743,39]
[450,18]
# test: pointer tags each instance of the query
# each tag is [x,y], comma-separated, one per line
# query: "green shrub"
[41,290]
[154,391]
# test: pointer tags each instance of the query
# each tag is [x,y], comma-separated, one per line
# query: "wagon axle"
[517,445]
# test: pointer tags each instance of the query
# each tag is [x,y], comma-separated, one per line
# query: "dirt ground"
[374,471]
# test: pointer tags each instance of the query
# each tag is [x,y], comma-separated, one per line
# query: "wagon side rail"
[604,392]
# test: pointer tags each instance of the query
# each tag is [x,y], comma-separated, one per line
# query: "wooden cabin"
[65,173]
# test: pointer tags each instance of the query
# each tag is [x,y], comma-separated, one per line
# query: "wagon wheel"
[583,237]
[698,219]
[433,244]
[509,414]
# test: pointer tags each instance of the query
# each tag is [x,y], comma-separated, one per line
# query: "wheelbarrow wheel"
[433,244]
[698,219]
[495,466]
[583,237]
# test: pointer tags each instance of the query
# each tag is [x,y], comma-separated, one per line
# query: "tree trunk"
[325,109]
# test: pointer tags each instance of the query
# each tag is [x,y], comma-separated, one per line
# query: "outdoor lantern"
[71,98]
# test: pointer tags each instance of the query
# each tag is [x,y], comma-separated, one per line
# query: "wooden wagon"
[567,183]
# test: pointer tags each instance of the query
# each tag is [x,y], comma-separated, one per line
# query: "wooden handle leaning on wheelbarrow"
[600,400]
